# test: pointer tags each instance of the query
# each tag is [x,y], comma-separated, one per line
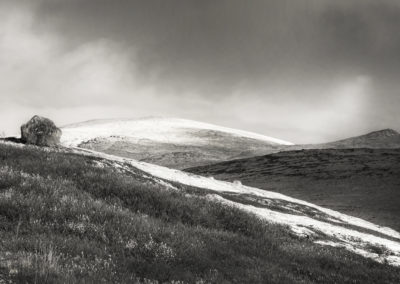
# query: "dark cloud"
[234,40]
[276,55]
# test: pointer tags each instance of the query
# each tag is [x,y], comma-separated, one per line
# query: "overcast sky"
[300,70]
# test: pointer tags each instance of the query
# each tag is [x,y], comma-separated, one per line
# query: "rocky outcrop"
[40,131]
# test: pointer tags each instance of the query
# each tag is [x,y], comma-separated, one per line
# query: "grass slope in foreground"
[71,218]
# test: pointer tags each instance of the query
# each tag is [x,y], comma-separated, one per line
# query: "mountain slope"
[72,215]
[76,215]
[304,219]
[180,144]
[360,182]
[171,142]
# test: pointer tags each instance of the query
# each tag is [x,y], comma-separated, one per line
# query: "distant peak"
[383,133]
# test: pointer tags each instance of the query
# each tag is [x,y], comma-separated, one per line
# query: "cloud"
[95,79]
[39,72]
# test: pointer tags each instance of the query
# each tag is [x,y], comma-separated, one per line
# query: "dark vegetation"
[69,218]
[360,182]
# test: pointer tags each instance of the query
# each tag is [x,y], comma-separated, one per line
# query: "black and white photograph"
[200,141]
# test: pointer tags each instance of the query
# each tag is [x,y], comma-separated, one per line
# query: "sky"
[305,71]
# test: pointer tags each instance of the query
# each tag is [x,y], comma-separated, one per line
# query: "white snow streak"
[221,186]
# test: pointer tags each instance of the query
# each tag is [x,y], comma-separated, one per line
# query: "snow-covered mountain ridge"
[166,130]
[171,142]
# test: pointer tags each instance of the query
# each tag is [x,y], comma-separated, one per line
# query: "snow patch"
[350,239]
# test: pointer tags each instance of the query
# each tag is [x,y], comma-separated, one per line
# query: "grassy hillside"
[361,182]
[71,218]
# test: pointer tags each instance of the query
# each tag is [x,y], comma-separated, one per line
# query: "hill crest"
[155,128]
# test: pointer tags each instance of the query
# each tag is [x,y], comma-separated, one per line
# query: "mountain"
[172,142]
[179,143]
[387,138]
[360,182]
[73,215]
